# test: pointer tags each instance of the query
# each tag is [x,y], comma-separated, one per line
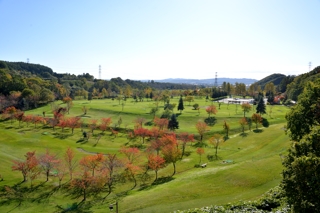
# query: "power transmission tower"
[28,60]
[99,71]
[309,66]
[216,80]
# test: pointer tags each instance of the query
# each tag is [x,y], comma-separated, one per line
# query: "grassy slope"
[256,167]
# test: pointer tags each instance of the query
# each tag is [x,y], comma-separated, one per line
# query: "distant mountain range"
[208,82]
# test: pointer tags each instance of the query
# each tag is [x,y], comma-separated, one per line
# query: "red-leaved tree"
[48,162]
[185,138]
[155,162]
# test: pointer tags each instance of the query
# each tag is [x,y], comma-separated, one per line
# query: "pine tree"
[261,107]
[180,106]
[173,123]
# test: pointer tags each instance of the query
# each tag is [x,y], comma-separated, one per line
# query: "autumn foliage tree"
[171,153]
[73,122]
[226,128]
[105,123]
[110,163]
[132,154]
[246,107]
[257,119]
[200,152]
[162,123]
[68,102]
[71,163]
[27,167]
[215,140]
[9,113]
[155,162]
[211,110]
[142,133]
[202,128]
[184,138]
[48,162]
[19,115]
[243,122]
[93,124]
[91,162]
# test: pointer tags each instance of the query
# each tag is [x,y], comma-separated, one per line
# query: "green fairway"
[247,166]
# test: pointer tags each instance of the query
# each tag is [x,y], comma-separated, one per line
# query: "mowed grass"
[255,160]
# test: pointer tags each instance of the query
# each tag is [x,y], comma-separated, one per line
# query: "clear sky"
[158,39]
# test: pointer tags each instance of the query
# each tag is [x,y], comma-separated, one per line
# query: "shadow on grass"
[162,180]
[61,135]
[257,130]
[159,181]
[200,145]
[84,116]
[244,134]
[82,140]
[265,123]
[82,207]
[211,121]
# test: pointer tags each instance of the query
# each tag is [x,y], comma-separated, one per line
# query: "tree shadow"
[82,140]
[84,116]
[257,130]
[244,134]
[199,144]
[265,122]
[211,121]
[162,180]
[61,135]
[82,207]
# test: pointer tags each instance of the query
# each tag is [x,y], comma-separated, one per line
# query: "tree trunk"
[174,169]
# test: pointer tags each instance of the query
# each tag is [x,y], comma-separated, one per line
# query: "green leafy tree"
[306,113]
[301,174]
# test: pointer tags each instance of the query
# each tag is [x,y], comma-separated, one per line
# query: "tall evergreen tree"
[261,107]
[173,123]
[180,106]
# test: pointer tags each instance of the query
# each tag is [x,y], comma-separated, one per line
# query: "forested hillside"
[26,86]
[274,78]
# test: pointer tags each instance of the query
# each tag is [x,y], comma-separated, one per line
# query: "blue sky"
[151,39]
